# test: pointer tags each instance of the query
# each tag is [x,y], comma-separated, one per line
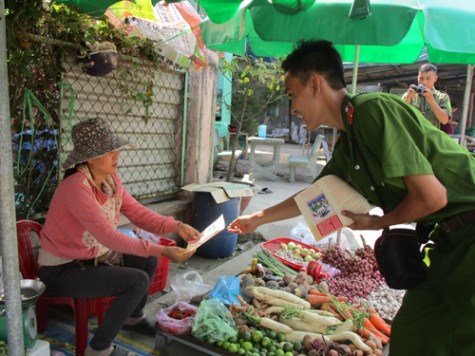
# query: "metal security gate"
[143,102]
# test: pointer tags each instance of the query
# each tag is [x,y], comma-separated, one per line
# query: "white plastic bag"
[189,285]
[334,239]
[302,233]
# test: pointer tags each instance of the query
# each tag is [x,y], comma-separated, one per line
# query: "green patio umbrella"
[396,31]
[388,31]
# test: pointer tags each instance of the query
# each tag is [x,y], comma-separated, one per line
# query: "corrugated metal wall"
[143,102]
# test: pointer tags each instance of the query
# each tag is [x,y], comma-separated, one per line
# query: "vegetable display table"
[163,339]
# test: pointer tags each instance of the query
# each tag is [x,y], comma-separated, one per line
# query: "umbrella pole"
[8,244]
[466,103]
[356,64]
[354,79]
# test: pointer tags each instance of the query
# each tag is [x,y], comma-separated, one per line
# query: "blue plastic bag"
[226,290]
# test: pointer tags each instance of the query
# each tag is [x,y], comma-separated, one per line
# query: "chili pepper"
[181,314]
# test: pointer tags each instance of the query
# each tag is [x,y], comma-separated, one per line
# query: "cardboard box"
[221,191]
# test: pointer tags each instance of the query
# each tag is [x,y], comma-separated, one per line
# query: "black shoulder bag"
[397,251]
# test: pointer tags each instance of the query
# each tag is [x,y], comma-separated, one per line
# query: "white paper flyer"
[211,231]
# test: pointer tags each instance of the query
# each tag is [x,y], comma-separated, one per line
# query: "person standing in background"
[434,104]
[449,127]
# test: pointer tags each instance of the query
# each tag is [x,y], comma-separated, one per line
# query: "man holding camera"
[434,104]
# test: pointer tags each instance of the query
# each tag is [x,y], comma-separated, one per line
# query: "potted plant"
[99,59]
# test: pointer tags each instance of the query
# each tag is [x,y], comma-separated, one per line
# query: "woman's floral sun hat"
[92,138]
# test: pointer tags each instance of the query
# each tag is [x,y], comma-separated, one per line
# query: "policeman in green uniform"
[422,175]
[434,104]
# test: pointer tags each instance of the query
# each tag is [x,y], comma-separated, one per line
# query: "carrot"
[379,322]
[363,332]
[368,334]
[379,334]
[337,310]
[317,292]
[328,307]
[318,299]
[347,314]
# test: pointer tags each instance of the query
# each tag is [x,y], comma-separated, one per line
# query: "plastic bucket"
[206,211]
[262,131]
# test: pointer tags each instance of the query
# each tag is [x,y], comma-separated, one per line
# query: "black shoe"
[144,326]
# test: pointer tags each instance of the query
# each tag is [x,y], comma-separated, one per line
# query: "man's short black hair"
[317,56]
[427,67]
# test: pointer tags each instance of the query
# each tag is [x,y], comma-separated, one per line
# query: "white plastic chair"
[310,161]
[219,153]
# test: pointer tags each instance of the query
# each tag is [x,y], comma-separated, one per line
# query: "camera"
[419,89]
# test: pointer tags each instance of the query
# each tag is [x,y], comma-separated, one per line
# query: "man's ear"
[315,83]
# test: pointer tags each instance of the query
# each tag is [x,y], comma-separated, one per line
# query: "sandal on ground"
[144,326]
[93,352]
[119,351]
[265,191]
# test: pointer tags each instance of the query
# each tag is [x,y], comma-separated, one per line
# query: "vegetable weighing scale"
[30,292]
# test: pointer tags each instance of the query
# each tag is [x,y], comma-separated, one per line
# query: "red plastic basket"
[161,274]
[157,284]
[273,245]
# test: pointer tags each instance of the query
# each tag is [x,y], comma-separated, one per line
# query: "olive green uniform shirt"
[396,141]
[442,99]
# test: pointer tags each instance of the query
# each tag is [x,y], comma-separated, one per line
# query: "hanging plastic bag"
[177,319]
[213,322]
[226,290]
[189,285]
[302,233]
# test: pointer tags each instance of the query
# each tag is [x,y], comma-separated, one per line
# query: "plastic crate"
[273,245]
[159,280]
[157,284]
